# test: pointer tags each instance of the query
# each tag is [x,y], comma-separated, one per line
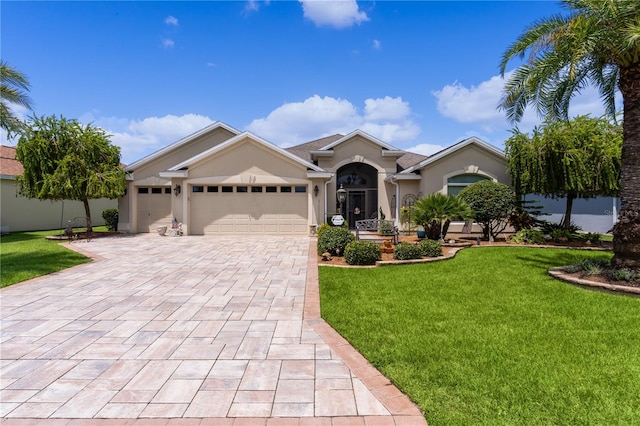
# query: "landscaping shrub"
[334,240]
[624,274]
[362,253]
[549,227]
[110,217]
[528,236]
[404,251]
[430,248]
[560,235]
[323,227]
[492,202]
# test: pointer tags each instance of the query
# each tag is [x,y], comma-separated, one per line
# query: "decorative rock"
[326,256]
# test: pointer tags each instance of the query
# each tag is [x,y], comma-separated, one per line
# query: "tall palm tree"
[597,43]
[13,90]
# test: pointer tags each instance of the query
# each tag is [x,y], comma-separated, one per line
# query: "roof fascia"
[472,140]
[175,174]
[236,139]
[179,143]
[362,134]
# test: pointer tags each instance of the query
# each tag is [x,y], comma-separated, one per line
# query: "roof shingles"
[9,166]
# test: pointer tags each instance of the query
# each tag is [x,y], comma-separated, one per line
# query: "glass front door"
[361,204]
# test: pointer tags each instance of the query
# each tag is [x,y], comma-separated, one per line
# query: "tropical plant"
[597,43]
[492,204]
[528,236]
[13,90]
[573,159]
[110,217]
[64,160]
[362,252]
[436,211]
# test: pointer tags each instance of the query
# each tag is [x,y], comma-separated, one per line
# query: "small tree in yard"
[492,203]
[64,160]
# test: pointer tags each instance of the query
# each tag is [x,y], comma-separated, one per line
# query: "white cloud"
[168,43]
[479,105]
[377,45]
[254,5]
[171,20]
[386,108]
[425,149]
[333,13]
[139,138]
[298,122]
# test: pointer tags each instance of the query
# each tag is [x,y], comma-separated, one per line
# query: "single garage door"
[240,209]
[154,208]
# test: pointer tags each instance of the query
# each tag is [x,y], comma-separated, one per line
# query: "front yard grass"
[26,255]
[488,338]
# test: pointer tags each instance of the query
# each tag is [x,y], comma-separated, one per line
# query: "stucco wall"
[18,213]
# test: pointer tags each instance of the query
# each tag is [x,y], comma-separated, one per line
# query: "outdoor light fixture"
[341,194]
[177,190]
[316,190]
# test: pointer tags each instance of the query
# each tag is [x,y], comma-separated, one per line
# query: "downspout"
[326,184]
[397,216]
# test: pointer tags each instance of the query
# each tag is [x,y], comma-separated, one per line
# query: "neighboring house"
[18,213]
[223,181]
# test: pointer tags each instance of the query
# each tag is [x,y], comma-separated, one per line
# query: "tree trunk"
[626,233]
[566,220]
[87,212]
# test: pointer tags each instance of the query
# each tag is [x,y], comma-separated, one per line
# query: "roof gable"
[455,148]
[184,141]
[362,134]
[238,139]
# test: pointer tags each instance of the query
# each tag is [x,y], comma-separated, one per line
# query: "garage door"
[239,209]
[154,208]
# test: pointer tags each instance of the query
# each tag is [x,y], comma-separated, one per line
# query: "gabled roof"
[9,166]
[453,148]
[304,150]
[181,142]
[358,132]
[236,139]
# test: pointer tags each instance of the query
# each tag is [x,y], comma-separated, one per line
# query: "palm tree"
[436,211]
[598,43]
[13,90]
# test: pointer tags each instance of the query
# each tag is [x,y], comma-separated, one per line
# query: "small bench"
[370,229]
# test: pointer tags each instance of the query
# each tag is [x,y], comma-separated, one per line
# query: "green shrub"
[549,227]
[588,266]
[362,253]
[528,236]
[323,227]
[624,274]
[430,248]
[404,251]
[110,217]
[385,228]
[334,240]
[593,237]
[560,234]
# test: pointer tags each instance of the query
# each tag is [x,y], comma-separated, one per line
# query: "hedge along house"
[223,181]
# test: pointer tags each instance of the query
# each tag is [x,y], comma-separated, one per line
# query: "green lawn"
[488,338]
[26,255]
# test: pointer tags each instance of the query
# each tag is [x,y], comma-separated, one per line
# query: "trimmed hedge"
[334,240]
[110,217]
[405,251]
[362,253]
[430,248]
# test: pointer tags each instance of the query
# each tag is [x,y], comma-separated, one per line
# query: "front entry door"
[356,206]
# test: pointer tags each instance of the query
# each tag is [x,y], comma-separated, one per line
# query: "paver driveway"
[193,327]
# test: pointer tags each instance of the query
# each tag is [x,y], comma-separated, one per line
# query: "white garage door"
[239,209]
[154,208]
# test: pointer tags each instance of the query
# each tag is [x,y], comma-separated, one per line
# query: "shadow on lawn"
[544,259]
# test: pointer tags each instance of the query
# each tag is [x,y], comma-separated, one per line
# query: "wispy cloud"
[376,45]
[171,20]
[168,43]
[333,13]
[255,5]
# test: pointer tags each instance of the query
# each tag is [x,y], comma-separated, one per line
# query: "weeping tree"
[64,160]
[579,158]
[436,211]
[596,43]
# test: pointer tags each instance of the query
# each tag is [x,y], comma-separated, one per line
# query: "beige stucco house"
[223,181]
[18,213]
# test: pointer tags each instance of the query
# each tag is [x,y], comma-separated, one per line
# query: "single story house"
[18,213]
[223,181]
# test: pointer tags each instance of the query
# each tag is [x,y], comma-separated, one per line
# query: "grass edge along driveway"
[27,255]
[489,338]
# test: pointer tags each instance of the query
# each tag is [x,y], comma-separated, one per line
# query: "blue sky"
[420,75]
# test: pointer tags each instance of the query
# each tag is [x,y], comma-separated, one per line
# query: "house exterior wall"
[19,214]
[470,159]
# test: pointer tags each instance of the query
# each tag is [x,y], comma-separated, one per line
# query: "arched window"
[455,184]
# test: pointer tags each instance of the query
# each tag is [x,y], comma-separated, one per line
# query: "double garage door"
[240,209]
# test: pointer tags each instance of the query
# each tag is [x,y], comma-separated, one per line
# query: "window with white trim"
[455,184]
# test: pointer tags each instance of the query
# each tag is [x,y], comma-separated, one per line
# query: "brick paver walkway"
[188,330]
